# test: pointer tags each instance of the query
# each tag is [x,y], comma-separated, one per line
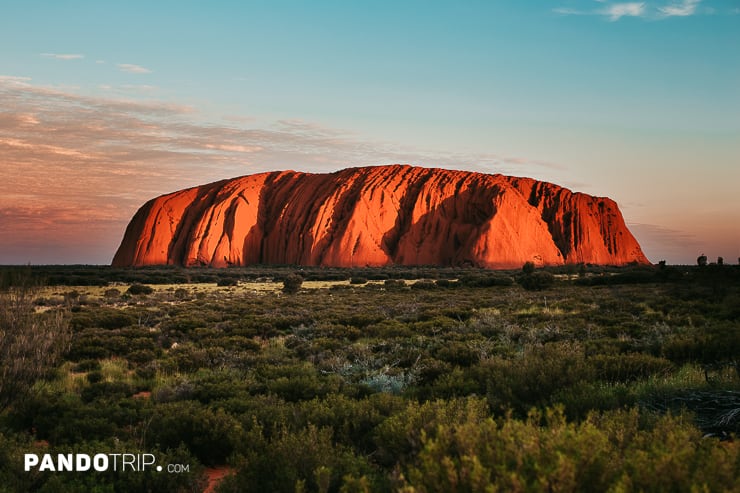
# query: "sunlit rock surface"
[377,216]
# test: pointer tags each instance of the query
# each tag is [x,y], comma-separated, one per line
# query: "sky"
[104,105]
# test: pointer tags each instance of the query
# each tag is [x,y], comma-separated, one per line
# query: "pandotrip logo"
[98,463]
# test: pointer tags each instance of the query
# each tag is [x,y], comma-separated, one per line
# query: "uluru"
[378,216]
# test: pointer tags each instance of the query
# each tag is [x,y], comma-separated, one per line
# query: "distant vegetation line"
[102,275]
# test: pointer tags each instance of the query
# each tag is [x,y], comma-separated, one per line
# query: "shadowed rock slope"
[377,216]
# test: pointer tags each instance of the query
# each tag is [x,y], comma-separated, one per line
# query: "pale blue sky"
[105,104]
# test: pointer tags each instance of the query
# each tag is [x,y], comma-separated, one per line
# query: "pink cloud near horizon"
[75,168]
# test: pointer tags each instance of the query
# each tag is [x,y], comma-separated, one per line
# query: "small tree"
[528,267]
[720,261]
[701,260]
[292,284]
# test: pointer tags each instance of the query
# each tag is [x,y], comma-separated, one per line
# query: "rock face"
[377,216]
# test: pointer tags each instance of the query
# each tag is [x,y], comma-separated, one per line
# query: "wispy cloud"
[615,11]
[12,79]
[142,88]
[681,9]
[234,148]
[75,168]
[133,69]
[63,56]
[569,11]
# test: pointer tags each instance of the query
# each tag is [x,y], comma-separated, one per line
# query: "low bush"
[292,284]
[606,452]
[537,281]
[139,289]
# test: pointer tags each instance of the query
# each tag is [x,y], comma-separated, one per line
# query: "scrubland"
[396,379]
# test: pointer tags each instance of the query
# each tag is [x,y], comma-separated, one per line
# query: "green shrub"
[112,293]
[139,289]
[628,367]
[537,281]
[86,365]
[399,437]
[105,390]
[94,376]
[292,284]
[146,372]
[209,435]
[458,353]
[306,460]
[141,356]
[606,452]
[182,294]
[530,379]
[584,397]
[446,283]
[485,281]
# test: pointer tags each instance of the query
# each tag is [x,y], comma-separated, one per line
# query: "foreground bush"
[306,460]
[606,452]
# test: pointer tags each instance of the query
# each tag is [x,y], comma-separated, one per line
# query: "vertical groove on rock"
[378,216]
[411,192]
